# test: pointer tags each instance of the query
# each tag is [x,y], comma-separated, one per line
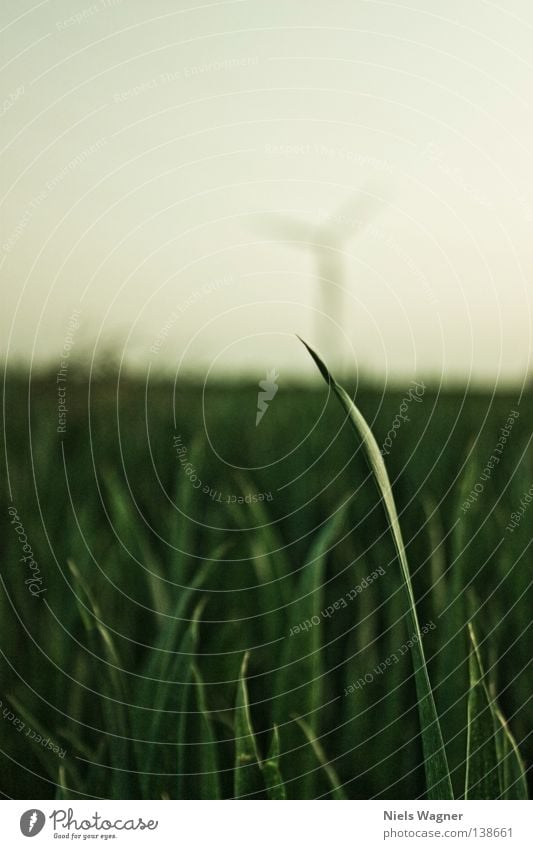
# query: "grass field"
[193,606]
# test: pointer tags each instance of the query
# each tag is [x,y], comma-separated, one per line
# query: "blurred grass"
[95,660]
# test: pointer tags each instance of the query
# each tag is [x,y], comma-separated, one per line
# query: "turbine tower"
[328,240]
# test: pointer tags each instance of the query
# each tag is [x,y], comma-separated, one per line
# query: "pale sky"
[153,152]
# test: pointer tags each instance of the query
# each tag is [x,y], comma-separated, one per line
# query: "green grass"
[438,779]
[494,767]
[163,657]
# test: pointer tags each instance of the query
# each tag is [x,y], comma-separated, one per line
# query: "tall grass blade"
[169,700]
[482,768]
[274,565]
[248,779]
[62,790]
[198,761]
[452,661]
[333,779]
[144,571]
[42,754]
[436,766]
[116,717]
[512,771]
[300,684]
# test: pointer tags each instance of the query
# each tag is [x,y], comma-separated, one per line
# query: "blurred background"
[201,181]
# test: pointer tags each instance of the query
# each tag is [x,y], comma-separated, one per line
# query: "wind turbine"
[328,240]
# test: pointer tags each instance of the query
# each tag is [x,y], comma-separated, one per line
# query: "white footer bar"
[267,825]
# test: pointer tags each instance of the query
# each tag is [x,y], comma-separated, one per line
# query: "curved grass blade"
[62,790]
[182,526]
[302,669]
[127,526]
[162,659]
[93,620]
[482,769]
[333,778]
[169,699]
[273,566]
[114,711]
[301,678]
[270,769]
[452,662]
[248,779]
[173,628]
[203,781]
[42,754]
[437,559]
[436,766]
[512,771]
